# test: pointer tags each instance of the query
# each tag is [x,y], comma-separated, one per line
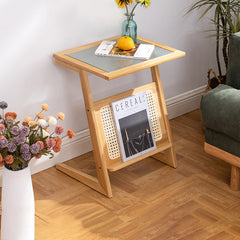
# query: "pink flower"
[59,130]
[2,127]
[1,160]
[40,144]
[38,156]
[50,142]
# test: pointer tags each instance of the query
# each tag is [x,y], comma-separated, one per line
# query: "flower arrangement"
[22,141]
[129,26]
[125,3]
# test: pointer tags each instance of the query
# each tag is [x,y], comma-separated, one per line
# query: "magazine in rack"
[140,51]
[133,126]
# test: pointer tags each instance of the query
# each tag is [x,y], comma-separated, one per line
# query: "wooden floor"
[151,201]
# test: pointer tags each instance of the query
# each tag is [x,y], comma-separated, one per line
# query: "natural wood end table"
[83,60]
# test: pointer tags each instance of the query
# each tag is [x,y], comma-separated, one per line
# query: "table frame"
[165,149]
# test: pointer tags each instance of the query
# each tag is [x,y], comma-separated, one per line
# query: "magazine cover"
[133,126]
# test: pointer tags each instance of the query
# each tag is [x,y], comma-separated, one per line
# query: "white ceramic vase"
[18,207]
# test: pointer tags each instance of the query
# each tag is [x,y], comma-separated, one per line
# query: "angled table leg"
[102,183]
[169,155]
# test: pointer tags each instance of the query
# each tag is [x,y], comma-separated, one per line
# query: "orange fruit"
[125,43]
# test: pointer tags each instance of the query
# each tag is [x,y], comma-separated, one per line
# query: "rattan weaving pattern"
[109,125]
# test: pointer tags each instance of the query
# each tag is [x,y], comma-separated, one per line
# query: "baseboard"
[81,143]
[184,103]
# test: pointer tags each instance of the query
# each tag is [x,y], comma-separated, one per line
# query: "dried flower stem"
[130,15]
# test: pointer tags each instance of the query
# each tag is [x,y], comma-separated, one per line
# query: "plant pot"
[215,80]
[18,207]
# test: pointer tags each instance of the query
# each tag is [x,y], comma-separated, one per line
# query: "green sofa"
[220,110]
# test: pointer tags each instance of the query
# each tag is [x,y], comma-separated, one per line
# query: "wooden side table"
[83,60]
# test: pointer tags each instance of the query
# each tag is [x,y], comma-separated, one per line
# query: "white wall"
[165,22]
[31,31]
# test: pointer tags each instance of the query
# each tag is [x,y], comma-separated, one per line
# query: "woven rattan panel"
[109,125]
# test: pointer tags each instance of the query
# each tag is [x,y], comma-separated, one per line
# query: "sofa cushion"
[220,109]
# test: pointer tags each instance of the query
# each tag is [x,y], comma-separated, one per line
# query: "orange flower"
[70,133]
[28,119]
[40,115]
[32,123]
[45,107]
[1,164]
[61,116]
[58,141]
[9,159]
[1,136]
[11,114]
[56,148]
[24,123]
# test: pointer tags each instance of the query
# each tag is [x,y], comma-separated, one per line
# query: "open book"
[140,51]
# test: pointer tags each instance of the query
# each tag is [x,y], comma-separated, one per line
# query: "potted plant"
[226,20]
[20,142]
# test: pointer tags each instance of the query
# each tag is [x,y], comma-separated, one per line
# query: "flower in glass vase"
[32,138]
[129,26]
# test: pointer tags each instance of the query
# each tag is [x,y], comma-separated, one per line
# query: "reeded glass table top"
[110,64]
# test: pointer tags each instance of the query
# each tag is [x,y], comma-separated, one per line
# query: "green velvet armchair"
[220,110]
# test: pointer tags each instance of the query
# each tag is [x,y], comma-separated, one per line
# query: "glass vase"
[129,28]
